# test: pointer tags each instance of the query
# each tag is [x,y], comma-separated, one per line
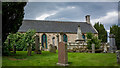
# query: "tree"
[12,41]
[102,33]
[29,40]
[12,17]
[13,13]
[116,31]
[91,39]
[21,39]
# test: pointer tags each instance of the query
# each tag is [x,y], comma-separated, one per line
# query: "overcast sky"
[104,12]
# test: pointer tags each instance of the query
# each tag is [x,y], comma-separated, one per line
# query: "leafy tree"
[102,33]
[12,17]
[29,40]
[91,39]
[22,41]
[12,42]
[115,29]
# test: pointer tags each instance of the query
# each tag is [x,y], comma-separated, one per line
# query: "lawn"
[50,59]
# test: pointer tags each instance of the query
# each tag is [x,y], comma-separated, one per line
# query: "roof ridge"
[55,21]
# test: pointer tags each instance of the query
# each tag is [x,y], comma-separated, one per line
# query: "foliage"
[89,35]
[102,33]
[115,29]
[14,39]
[91,39]
[12,16]
[28,37]
[20,40]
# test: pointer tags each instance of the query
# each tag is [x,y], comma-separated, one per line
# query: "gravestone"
[118,56]
[57,39]
[14,48]
[53,41]
[105,47]
[93,48]
[112,48]
[62,54]
[37,50]
[52,48]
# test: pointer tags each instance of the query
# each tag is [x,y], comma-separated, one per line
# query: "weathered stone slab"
[14,48]
[112,48]
[118,56]
[93,48]
[62,54]
[37,50]
[52,48]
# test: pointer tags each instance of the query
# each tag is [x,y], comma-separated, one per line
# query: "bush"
[91,39]
[20,40]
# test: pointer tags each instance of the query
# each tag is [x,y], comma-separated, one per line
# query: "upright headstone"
[62,54]
[14,48]
[112,48]
[93,48]
[61,34]
[53,41]
[118,56]
[57,39]
[52,48]
[105,47]
[37,50]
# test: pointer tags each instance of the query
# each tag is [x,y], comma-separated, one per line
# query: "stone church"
[49,32]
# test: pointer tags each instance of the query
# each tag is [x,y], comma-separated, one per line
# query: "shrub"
[20,40]
[91,39]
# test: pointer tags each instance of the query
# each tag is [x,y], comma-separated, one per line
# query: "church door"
[44,41]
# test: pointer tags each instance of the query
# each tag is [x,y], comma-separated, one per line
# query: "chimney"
[88,19]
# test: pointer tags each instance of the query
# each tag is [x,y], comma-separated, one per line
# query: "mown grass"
[50,59]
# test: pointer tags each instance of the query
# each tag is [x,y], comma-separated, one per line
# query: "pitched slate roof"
[55,26]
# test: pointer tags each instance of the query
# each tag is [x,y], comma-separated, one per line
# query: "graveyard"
[50,59]
[62,55]
[79,54]
[42,42]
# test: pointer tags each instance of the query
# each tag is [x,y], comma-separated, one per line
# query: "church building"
[49,32]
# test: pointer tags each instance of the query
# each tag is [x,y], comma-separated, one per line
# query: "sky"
[103,12]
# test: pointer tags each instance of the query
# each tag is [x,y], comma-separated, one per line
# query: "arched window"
[65,38]
[83,36]
[44,41]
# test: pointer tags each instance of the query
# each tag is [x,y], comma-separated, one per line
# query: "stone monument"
[14,48]
[105,47]
[52,48]
[118,56]
[112,46]
[53,41]
[62,53]
[79,36]
[57,39]
[93,48]
[37,50]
